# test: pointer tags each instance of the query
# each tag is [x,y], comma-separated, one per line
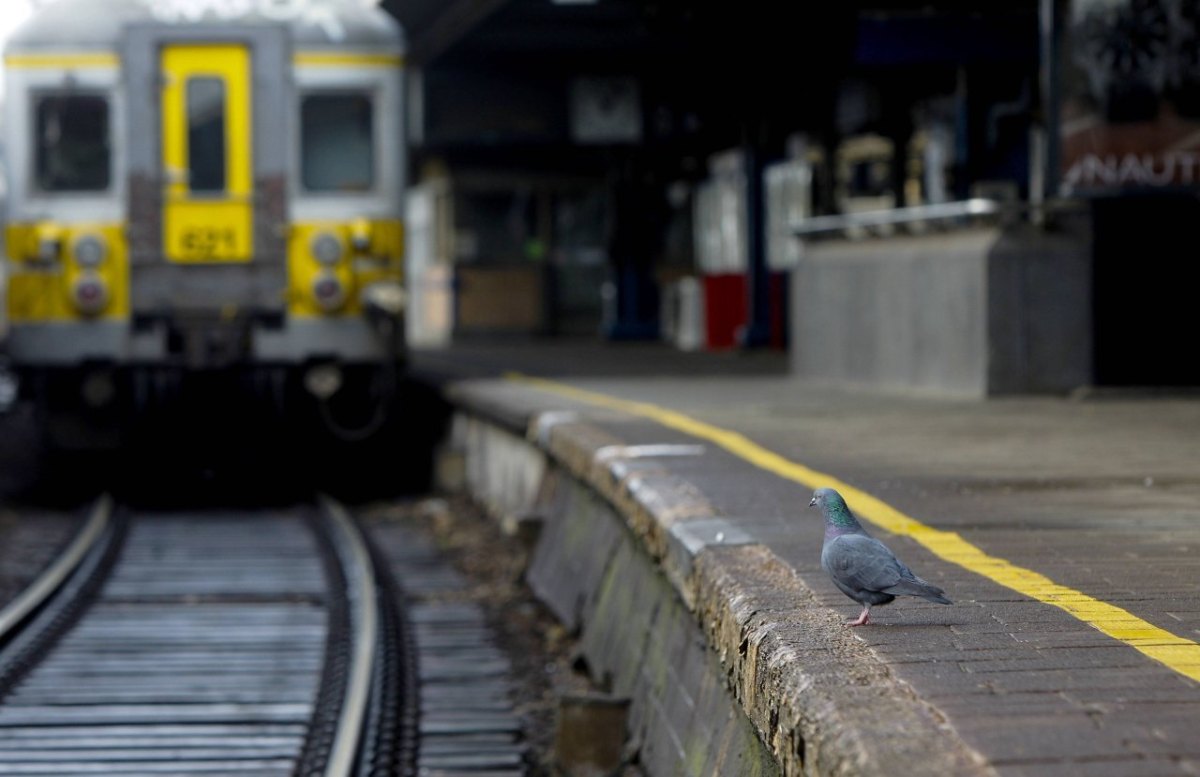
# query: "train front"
[205,191]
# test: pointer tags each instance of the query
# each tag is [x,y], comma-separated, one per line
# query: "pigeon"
[862,566]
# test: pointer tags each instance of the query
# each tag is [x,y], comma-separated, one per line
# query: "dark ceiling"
[602,29]
[497,72]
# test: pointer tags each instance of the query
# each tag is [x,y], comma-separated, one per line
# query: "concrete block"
[902,313]
[589,740]
[568,566]
[1039,312]
[615,637]
[502,470]
[639,638]
[977,312]
[450,470]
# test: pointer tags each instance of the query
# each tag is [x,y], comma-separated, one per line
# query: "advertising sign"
[1130,86]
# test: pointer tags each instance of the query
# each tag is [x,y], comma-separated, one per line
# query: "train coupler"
[322,381]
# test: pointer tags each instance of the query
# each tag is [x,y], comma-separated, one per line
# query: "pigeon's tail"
[918,587]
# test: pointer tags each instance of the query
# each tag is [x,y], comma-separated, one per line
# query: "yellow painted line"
[345,59]
[63,60]
[1180,654]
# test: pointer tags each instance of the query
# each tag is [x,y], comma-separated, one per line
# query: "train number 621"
[208,242]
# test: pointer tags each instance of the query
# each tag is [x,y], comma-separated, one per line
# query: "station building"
[967,198]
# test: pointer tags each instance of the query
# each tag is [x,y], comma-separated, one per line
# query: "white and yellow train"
[197,187]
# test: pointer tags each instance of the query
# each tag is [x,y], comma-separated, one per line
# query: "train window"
[72,153]
[337,143]
[206,134]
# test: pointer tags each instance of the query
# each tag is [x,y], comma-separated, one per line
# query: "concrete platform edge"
[819,700]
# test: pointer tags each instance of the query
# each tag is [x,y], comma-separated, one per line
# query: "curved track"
[198,643]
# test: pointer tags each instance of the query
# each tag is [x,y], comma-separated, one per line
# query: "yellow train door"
[207,153]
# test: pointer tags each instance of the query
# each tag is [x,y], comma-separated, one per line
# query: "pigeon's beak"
[812,502]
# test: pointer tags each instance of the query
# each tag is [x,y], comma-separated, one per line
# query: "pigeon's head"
[833,507]
[823,497]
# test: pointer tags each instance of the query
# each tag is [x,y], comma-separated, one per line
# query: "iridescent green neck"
[838,514]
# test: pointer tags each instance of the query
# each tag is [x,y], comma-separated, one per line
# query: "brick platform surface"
[1099,492]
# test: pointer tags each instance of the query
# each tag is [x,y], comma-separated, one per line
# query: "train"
[203,192]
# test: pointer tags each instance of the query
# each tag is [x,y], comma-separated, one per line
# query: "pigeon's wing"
[861,563]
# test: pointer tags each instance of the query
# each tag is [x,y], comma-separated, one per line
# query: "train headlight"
[49,249]
[89,294]
[360,236]
[90,251]
[329,292]
[326,248]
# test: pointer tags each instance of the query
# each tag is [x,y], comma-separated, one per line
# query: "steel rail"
[360,581]
[53,576]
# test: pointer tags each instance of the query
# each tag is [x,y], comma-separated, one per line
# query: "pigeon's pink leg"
[863,619]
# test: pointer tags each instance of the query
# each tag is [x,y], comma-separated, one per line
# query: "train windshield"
[72,153]
[337,142]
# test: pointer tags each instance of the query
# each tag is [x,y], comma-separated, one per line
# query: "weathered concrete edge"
[822,701]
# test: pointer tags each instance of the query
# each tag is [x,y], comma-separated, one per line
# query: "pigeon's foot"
[863,619]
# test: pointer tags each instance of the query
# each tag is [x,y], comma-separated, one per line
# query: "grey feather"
[861,566]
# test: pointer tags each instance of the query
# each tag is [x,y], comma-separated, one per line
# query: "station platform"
[1066,530]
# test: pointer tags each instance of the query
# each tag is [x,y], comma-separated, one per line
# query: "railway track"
[264,643]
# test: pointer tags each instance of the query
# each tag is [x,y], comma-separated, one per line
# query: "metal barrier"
[824,225]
